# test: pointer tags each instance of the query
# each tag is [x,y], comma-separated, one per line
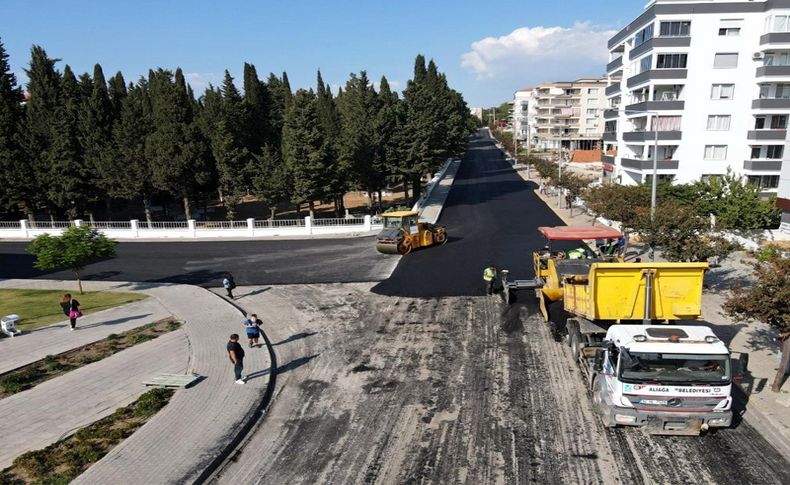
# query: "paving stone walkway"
[57,338]
[54,409]
[183,438]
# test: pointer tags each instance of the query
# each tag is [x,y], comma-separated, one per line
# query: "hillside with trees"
[82,146]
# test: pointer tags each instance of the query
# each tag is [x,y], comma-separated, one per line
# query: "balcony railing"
[615,64]
[766,135]
[613,89]
[775,38]
[764,71]
[656,74]
[763,165]
[656,106]
[646,136]
[659,42]
[647,164]
[771,103]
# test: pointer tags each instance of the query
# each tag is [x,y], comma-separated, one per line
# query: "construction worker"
[489,277]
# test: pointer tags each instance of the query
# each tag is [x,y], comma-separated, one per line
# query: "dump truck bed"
[616,291]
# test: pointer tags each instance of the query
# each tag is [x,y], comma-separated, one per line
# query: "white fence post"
[308,225]
[78,222]
[24,226]
[251,226]
[191,227]
[135,227]
[368,223]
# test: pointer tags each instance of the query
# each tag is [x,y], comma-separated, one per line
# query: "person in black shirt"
[71,308]
[236,354]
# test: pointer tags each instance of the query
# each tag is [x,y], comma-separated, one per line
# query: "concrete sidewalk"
[40,416]
[183,439]
[54,339]
[766,411]
[433,205]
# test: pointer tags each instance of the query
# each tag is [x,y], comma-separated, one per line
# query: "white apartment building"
[558,115]
[715,75]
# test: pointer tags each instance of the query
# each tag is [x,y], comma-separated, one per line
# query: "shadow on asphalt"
[116,321]
[297,336]
[294,364]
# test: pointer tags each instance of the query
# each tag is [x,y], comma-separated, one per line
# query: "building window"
[755,153]
[780,91]
[774,151]
[730,31]
[725,61]
[718,122]
[671,61]
[777,23]
[590,131]
[645,64]
[722,91]
[592,91]
[592,111]
[765,181]
[759,122]
[715,152]
[643,35]
[777,59]
[675,29]
[779,122]
[666,123]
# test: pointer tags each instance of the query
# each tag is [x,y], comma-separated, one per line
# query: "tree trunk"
[93,221]
[79,282]
[31,216]
[406,189]
[381,201]
[108,208]
[336,203]
[147,210]
[416,188]
[780,374]
[298,210]
[221,198]
[370,193]
[272,211]
[311,207]
[187,212]
[52,218]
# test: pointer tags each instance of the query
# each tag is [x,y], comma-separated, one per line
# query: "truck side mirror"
[743,360]
[598,360]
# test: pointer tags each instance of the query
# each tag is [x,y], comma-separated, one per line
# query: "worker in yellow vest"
[489,276]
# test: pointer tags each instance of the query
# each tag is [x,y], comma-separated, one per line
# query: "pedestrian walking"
[489,277]
[252,326]
[568,200]
[236,354]
[71,308]
[229,284]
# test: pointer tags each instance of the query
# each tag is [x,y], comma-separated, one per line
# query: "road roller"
[403,232]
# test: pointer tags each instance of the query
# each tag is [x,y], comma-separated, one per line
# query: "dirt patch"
[63,461]
[52,366]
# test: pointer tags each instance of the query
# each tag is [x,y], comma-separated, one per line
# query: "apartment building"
[566,115]
[710,80]
[783,195]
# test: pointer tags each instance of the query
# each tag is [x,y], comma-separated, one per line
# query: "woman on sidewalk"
[71,308]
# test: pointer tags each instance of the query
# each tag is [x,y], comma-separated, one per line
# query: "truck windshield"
[638,367]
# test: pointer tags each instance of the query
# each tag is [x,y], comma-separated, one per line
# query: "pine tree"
[329,118]
[116,88]
[270,178]
[281,96]
[16,175]
[304,150]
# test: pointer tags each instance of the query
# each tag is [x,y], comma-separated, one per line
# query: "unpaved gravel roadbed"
[376,389]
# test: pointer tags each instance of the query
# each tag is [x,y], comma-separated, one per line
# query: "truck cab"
[669,379]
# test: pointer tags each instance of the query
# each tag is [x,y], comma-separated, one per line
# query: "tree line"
[72,145]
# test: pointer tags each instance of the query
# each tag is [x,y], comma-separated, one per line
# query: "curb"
[234,446]
[760,422]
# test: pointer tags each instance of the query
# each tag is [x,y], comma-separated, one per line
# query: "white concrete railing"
[191,229]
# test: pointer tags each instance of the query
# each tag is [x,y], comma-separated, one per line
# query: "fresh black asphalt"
[491,214]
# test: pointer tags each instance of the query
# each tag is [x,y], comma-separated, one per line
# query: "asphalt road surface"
[377,387]
[204,263]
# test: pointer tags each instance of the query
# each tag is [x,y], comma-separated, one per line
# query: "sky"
[487,49]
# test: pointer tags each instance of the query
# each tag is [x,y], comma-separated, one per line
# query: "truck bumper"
[670,423]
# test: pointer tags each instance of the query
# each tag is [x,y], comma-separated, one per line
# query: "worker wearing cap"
[489,276]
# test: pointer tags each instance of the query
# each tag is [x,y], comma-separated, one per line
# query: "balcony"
[615,64]
[656,74]
[659,42]
[609,114]
[763,165]
[656,106]
[639,164]
[607,159]
[609,136]
[648,136]
[613,89]
[775,38]
[760,135]
[766,71]
[771,103]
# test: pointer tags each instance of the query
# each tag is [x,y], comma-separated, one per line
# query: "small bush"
[173,325]
[767,252]
[19,381]
[112,336]
[36,463]
[140,338]
[151,402]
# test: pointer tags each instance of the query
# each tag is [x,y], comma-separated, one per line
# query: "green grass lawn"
[38,308]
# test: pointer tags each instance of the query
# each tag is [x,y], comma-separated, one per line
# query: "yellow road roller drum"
[403,232]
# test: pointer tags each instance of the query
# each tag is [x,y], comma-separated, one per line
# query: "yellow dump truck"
[616,317]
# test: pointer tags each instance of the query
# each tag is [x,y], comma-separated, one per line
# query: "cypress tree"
[257,102]
[175,148]
[38,130]
[16,175]
[116,88]
[270,179]
[304,150]
[95,134]
[386,126]
[329,117]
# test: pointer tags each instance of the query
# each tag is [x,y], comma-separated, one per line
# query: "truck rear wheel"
[558,318]
[574,339]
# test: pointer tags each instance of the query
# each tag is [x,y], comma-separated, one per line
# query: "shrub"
[151,402]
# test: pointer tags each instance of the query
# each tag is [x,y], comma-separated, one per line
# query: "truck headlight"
[719,421]
[626,402]
[624,419]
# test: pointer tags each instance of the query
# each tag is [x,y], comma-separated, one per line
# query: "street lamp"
[559,177]
[655,116]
